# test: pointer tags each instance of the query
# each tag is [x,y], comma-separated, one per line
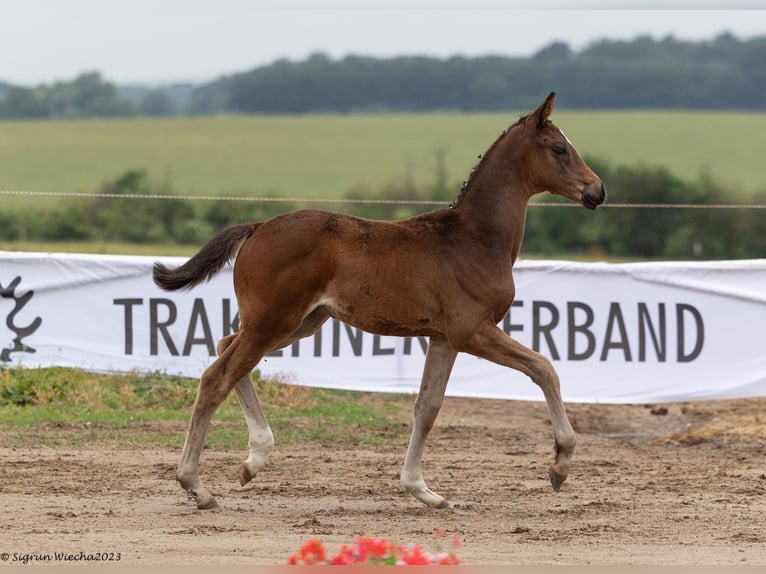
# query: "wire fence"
[358,201]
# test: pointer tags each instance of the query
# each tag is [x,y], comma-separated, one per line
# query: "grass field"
[328,155]
[54,407]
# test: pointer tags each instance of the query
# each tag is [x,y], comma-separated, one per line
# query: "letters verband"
[570,331]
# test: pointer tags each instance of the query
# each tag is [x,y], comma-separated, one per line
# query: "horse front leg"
[438,366]
[491,343]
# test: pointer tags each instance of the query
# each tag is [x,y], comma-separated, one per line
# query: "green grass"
[58,407]
[311,156]
[328,155]
[98,247]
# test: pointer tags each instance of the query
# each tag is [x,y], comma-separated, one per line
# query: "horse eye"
[559,149]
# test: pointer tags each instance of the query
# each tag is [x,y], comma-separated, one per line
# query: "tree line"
[646,233]
[721,73]
[87,96]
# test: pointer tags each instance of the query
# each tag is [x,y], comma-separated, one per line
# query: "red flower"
[374,551]
[377,547]
[344,557]
[312,552]
[413,556]
[449,560]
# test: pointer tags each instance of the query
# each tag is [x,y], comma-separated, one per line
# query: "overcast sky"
[162,41]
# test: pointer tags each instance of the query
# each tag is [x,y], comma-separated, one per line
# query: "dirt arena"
[660,484]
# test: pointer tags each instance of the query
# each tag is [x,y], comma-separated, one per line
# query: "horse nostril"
[593,195]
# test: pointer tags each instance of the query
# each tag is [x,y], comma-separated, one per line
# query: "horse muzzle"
[593,195]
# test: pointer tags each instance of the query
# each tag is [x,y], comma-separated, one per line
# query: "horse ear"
[542,113]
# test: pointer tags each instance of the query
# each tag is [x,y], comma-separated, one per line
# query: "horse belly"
[383,309]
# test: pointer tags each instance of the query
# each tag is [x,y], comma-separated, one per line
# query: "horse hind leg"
[260,436]
[242,352]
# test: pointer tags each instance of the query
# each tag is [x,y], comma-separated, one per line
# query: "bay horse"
[446,275]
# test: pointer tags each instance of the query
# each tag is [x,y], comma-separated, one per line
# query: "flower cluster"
[374,552]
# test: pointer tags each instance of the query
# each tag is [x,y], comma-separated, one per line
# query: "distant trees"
[646,233]
[156,103]
[722,73]
[651,232]
[642,73]
[88,95]
[24,103]
[107,216]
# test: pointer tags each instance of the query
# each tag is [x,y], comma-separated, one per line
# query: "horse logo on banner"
[19,301]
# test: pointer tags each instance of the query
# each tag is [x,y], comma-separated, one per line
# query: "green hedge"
[627,232]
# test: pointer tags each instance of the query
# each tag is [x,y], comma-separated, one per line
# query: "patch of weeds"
[69,406]
[21,387]
[732,427]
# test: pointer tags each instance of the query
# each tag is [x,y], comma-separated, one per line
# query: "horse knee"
[426,411]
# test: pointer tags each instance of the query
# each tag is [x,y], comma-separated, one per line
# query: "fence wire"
[358,201]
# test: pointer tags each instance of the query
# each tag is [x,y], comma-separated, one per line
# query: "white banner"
[616,333]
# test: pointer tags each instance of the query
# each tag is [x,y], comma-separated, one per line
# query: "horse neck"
[493,203]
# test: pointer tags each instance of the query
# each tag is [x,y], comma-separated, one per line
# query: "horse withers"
[446,275]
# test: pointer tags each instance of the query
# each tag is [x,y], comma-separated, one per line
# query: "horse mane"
[482,157]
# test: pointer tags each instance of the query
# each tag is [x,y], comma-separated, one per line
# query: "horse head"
[554,165]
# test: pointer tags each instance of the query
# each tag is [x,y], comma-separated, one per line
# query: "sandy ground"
[666,484]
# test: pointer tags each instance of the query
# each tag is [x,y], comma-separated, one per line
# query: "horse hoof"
[429,498]
[245,475]
[207,505]
[557,479]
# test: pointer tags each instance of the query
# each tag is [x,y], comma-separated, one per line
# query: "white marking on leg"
[439,360]
[260,437]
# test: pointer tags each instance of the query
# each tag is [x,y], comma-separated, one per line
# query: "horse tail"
[208,261]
